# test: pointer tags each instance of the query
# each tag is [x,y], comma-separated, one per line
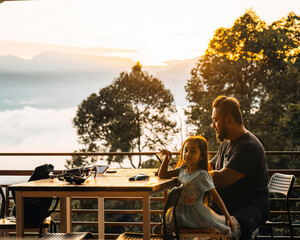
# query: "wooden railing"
[137,225]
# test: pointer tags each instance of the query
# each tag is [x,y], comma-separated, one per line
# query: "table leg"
[146,217]
[101,227]
[65,215]
[19,215]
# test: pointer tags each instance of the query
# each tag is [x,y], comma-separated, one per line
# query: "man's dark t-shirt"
[247,156]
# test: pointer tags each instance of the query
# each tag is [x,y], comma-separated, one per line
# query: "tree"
[256,63]
[133,113]
[290,126]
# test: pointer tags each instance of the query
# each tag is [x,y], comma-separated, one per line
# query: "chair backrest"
[2,210]
[281,183]
[171,204]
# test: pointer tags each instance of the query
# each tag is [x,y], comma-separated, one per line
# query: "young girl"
[192,171]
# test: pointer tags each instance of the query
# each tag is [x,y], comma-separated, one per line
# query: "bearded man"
[240,173]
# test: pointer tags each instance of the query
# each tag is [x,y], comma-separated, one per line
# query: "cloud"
[36,130]
[101,50]
[6,101]
[32,130]
[189,33]
[36,101]
[28,50]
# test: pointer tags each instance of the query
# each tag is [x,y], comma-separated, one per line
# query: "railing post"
[101,227]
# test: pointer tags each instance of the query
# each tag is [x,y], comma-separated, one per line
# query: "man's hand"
[225,177]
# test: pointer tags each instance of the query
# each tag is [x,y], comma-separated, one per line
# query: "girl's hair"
[202,144]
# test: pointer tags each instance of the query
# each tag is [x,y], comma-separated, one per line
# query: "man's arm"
[225,177]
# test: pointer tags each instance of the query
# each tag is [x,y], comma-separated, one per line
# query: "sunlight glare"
[157,30]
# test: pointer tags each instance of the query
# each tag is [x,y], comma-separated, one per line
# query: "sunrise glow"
[149,31]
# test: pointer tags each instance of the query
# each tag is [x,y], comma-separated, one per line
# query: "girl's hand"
[230,222]
[165,152]
[164,172]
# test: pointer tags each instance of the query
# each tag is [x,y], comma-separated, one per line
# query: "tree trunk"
[139,139]
[130,159]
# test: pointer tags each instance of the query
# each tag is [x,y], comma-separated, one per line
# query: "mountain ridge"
[50,73]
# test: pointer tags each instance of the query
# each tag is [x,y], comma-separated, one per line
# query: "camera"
[80,174]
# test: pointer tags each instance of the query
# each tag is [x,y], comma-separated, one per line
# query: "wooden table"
[103,186]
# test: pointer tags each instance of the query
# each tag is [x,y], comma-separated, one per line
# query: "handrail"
[126,153]
[81,154]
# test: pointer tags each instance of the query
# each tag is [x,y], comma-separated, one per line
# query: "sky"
[151,31]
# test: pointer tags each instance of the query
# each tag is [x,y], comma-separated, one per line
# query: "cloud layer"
[32,130]
[36,130]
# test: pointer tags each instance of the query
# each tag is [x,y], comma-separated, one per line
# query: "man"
[239,174]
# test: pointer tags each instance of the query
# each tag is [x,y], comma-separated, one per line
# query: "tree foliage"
[133,113]
[256,63]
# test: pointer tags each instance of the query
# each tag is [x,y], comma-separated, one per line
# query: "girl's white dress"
[192,213]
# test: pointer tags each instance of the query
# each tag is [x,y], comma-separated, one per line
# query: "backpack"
[36,210]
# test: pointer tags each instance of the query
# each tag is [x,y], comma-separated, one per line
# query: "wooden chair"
[8,224]
[281,184]
[168,233]
[187,233]
[69,236]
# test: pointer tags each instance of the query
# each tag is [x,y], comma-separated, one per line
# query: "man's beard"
[222,134]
